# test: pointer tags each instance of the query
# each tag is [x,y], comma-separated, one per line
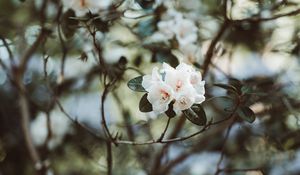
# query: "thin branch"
[25,59]
[261,19]
[60,106]
[103,121]
[230,170]
[25,119]
[64,50]
[6,45]
[202,141]
[135,69]
[49,130]
[166,140]
[210,52]
[165,130]
[109,157]
[164,149]
[223,147]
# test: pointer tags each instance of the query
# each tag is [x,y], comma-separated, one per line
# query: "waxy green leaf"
[246,114]
[135,84]
[196,115]
[145,105]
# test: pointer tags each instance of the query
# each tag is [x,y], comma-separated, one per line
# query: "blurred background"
[57,55]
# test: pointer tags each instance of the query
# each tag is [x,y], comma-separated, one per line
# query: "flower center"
[178,85]
[182,101]
[164,95]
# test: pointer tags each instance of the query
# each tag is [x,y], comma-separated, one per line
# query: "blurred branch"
[202,141]
[261,19]
[97,46]
[103,121]
[24,60]
[11,57]
[232,170]
[204,128]
[160,154]
[210,52]
[49,130]
[64,50]
[109,157]
[60,106]
[25,118]
[223,147]
[166,140]
[165,130]
[185,155]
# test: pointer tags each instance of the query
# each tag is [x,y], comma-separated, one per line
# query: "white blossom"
[81,7]
[191,53]
[185,31]
[175,25]
[183,85]
[160,94]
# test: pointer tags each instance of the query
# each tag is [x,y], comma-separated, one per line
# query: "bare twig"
[231,170]
[103,119]
[64,52]
[109,158]
[11,57]
[164,141]
[223,147]
[164,149]
[60,106]
[24,60]
[210,52]
[165,130]
[261,19]
[49,130]
[25,116]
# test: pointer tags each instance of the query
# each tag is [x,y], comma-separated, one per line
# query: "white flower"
[191,53]
[183,85]
[165,27]
[185,98]
[149,80]
[160,94]
[81,7]
[185,31]
[175,25]
[176,78]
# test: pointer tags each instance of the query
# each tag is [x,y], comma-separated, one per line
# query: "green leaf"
[196,115]
[235,83]
[170,112]
[227,87]
[145,4]
[246,90]
[135,84]
[145,105]
[246,114]
[69,25]
[165,56]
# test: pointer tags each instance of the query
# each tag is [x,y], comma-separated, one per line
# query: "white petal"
[147,81]
[160,108]
[199,99]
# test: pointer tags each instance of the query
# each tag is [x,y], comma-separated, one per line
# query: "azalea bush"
[149,87]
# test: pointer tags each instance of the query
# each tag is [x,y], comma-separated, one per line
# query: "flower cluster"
[81,7]
[182,85]
[174,25]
